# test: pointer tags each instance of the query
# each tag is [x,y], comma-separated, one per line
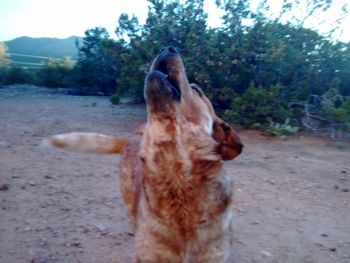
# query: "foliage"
[281,130]
[257,107]
[168,23]
[95,71]
[342,113]
[56,73]
[115,99]
[18,75]
[258,72]
[2,76]
[4,60]
[341,145]
[337,107]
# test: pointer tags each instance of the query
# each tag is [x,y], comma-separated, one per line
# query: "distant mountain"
[24,49]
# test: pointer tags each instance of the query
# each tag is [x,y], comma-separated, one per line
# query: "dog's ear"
[229,144]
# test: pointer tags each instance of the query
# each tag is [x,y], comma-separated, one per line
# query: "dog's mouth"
[163,82]
[162,66]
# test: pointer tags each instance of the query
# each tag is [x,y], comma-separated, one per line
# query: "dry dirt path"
[292,197]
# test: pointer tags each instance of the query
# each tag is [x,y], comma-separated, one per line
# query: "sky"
[64,18]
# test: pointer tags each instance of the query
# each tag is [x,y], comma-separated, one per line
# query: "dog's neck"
[170,139]
[177,161]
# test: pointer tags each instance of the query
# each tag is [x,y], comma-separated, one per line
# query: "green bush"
[341,145]
[281,130]
[3,74]
[342,115]
[337,108]
[114,99]
[17,75]
[56,74]
[257,107]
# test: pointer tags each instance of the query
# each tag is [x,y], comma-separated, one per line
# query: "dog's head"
[178,109]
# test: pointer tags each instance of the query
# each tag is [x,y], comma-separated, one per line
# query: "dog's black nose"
[168,50]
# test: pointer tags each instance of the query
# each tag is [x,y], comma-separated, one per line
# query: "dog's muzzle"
[160,84]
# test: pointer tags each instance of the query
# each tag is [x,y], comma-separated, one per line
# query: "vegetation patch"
[264,74]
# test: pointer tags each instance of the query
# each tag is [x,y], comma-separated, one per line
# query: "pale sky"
[64,18]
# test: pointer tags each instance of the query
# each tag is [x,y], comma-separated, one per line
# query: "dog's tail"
[87,142]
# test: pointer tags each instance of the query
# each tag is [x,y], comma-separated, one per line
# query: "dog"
[178,197]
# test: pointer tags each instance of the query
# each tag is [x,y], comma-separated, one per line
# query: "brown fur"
[88,142]
[178,198]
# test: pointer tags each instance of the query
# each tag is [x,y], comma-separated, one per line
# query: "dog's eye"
[197,89]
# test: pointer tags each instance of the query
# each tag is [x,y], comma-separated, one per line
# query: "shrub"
[281,130]
[341,145]
[115,99]
[342,115]
[257,107]
[337,108]
[17,75]
[3,74]
[56,74]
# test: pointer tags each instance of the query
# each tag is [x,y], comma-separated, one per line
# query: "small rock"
[343,178]
[336,187]
[65,209]
[131,234]
[26,229]
[241,210]
[32,183]
[43,244]
[32,252]
[266,253]
[333,249]
[103,229]
[75,244]
[308,186]
[345,189]
[343,171]
[4,187]
[255,222]
[324,235]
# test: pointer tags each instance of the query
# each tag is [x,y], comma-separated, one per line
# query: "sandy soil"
[292,197]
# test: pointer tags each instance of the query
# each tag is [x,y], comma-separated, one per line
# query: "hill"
[24,49]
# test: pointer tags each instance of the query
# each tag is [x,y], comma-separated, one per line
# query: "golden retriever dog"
[178,198]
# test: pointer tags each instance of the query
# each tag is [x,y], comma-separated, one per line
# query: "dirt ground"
[292,197]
